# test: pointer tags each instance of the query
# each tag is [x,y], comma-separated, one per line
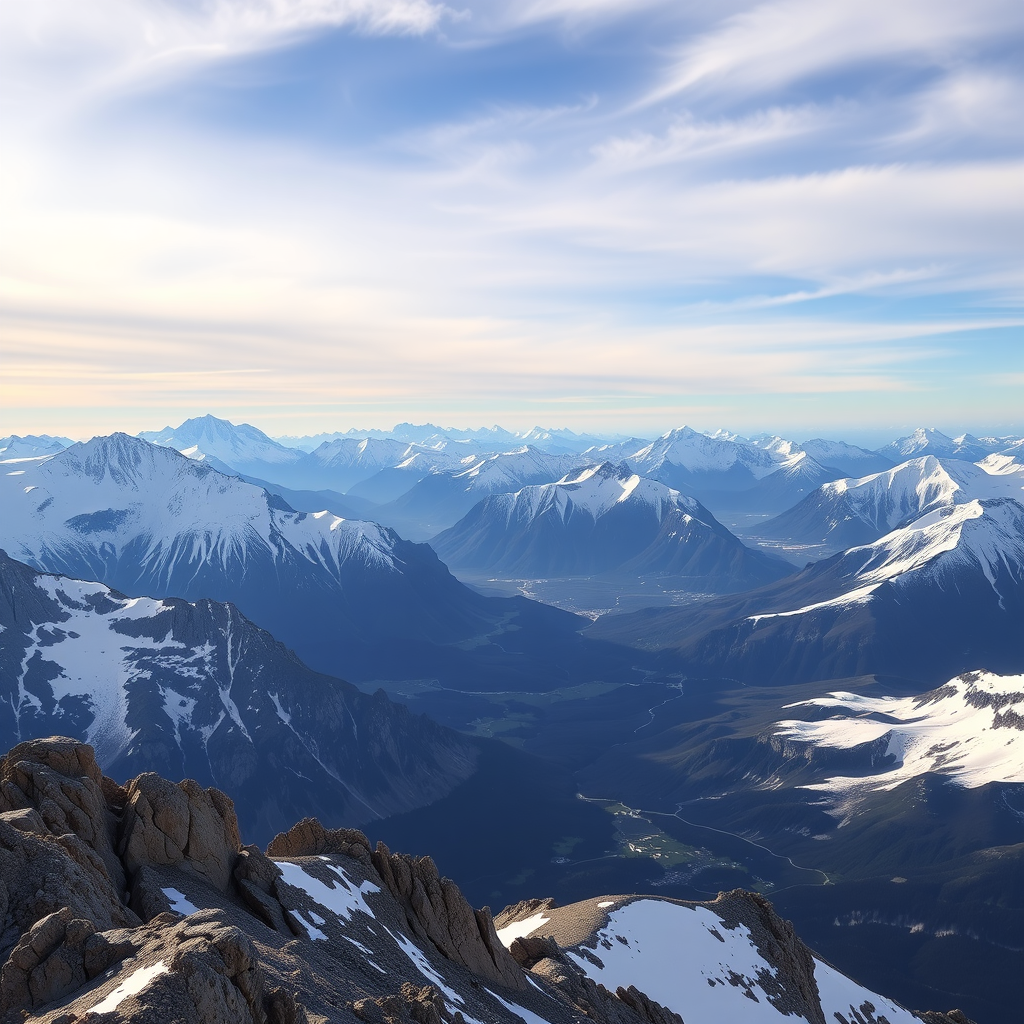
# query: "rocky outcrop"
[626,1006]
[60,779]
[793,989]
[413,1005]
[645,1008]
[308,838]
[180,825]
[256,876]
[438,912]
[951,1017]
[140,904]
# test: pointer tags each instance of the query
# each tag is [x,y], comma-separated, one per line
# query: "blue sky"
[317,214]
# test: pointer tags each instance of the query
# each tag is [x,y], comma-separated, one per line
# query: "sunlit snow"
[134,984]
[518,929]
[965,729]
[180,903]
[343,898]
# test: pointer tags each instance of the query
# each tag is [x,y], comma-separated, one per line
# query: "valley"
[610,689]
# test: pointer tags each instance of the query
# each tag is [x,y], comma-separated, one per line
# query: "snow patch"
[134,984]
[520,929]
[343,899]
[965,730]
[180,903]
[684,958]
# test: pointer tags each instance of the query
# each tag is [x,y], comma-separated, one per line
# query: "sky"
[618,215]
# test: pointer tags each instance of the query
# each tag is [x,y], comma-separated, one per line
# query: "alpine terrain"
[140,903]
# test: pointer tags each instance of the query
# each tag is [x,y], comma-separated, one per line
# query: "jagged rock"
[529,950]
[47,963]
[148,898]
[308,838]
[44,874]
[949,1017]
[437,911]
[180,825]
[255,875]
[645,1008]
[199,970]
[414,1005]
[793,989]
[70,943]
[102,949]
[60,779]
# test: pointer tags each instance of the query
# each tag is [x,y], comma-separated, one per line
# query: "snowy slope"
[601,519]
[31,446]
[685,456]
[852,511]
[147,520]
[936,597]
[985,537]
[971,729]
[242,447]
[114,494]
[847,458]
[198,691]
[506,471]
[703,961]
[796,476]
[440,499]
[382,469]
[929,441]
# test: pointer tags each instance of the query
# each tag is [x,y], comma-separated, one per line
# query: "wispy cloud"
[109,46]
[688,138]
[778,43]
[532,232]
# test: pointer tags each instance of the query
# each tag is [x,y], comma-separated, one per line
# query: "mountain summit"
[603,519]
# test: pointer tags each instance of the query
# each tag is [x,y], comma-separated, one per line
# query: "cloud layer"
[331,210]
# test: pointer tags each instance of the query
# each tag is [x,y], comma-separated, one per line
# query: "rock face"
[181,824]
[198,691]
[141,904]
[438,912]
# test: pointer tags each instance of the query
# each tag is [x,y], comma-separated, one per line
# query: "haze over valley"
[511,512]
[584,681]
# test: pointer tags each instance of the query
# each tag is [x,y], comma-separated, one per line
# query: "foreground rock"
[141,904]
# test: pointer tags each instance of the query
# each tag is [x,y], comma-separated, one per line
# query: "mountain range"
[938,596]
[604,519]
[146,520]
[195,690]
[840,738]
[844,513]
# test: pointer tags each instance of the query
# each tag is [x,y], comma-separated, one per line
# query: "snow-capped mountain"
[796,475]
[383,469]
[197,691]
[732,968]
[936,597]
[616,451]
[603,519]
[31,446]
[441,499]
[846,512]
[849,459]
[347,461]
[691,461]
[241,448]
[929,441]
[149,521]
[971,729]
